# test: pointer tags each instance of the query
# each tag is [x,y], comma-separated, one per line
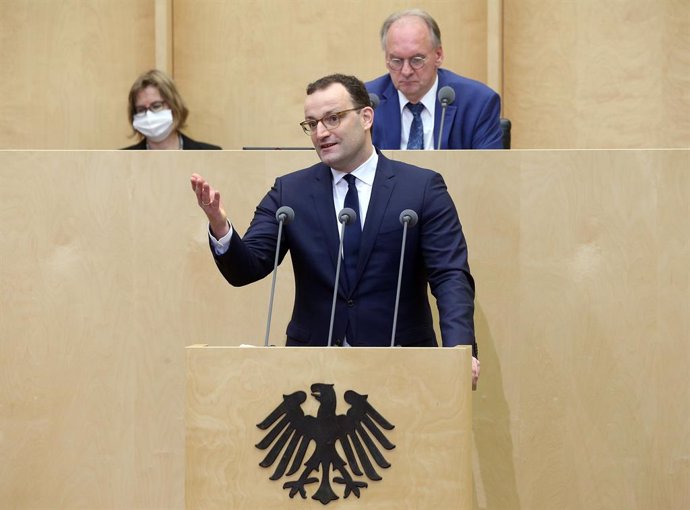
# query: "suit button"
[350,303]
[338,342]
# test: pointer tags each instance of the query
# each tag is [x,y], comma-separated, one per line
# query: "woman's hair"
[168,91]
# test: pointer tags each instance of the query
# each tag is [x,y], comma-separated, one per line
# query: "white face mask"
[154,126]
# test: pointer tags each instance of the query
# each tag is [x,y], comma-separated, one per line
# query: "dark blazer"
[472,121]
[187,144]
[435,253]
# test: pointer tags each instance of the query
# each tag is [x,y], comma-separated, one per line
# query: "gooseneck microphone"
[346,216]
[409,219]
[446,96]
[374,100]
[284,216]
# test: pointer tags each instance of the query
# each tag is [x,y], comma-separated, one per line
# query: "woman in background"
[158,113]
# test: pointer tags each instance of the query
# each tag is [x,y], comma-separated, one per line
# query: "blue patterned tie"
[416,139]
[353,232]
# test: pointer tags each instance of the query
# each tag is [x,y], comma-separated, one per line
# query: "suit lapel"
[322,198]
[384,182]
[389,110]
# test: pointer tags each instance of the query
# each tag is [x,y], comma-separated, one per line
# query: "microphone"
[374,100]
[346,216]
[284,216]
[445,96]
[409,219]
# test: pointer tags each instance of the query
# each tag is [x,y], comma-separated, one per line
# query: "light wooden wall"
[241,66]
[580,74]
[67,67]
[244,65]
[591,74]
[581,260]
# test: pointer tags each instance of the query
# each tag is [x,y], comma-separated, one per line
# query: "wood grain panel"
[67,69]
[230,390]
[243,66]
[589,74]
[581,261]
[576,75]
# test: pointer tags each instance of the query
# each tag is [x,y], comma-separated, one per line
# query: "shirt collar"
[429,99]
[364,172]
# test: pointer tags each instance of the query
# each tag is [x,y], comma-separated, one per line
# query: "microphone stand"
[284,215]
[444,105]
[408,218]
[445,96]
[345,217]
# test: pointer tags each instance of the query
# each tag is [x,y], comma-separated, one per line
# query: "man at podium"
[352,176]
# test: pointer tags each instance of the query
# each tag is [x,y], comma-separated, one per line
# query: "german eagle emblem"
[290,433]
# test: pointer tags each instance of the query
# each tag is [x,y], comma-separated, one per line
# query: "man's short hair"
[355,87]
[434,30]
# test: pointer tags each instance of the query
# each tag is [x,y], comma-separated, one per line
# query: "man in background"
[409,113]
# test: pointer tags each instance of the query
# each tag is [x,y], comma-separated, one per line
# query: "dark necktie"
[416,139]
[353,232]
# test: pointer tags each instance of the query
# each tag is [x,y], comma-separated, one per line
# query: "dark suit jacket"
[187,144]
[435,253]
[472,121]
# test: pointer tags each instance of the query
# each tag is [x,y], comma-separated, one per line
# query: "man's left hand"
[475,373]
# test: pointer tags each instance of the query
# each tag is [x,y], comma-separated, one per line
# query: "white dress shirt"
[429,102]
[364,173]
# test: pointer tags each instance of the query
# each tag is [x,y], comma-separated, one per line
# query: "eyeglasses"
[154,107]
[330,121]
[396,64]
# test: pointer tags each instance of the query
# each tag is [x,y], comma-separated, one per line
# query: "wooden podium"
[425,394]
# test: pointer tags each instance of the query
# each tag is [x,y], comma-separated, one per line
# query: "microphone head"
[410,217]
[374,100]
[446,95]
[347,216]
[285,214]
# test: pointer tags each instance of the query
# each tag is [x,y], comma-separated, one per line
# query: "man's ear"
[367,115]
[438,56]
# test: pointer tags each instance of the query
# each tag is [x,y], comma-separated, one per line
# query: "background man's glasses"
[330,121]
[396,64]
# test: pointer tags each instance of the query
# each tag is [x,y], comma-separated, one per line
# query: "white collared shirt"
[365,174]
[429,102]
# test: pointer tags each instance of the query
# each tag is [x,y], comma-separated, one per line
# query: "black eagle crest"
[291,433]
